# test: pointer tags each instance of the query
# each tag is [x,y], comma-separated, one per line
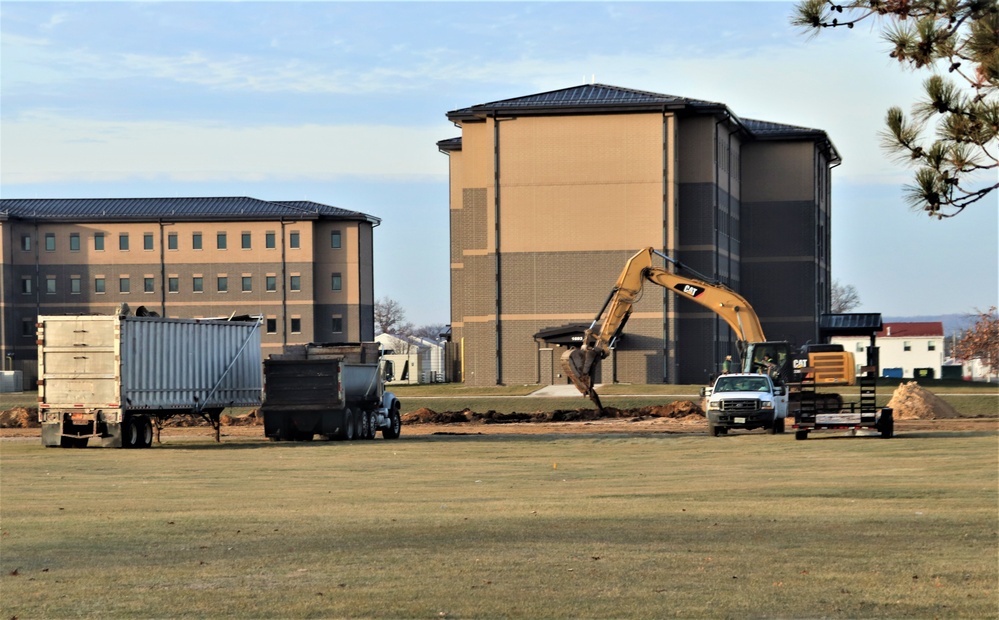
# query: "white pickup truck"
[745,401]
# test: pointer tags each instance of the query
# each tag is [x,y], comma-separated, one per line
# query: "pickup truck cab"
[745,401]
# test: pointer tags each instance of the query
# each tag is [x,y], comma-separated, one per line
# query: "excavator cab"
[769,358]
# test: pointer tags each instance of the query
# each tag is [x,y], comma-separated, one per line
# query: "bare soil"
[915,409]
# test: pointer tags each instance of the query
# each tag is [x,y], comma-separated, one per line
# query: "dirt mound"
[19,417]
[912,402]
[251,419]
[679,409]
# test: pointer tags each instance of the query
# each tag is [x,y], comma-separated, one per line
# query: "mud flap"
[113,437]
[52,435]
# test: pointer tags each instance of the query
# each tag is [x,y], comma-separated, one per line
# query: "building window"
[147,241]
[50,285]
[337,325]
[247,284]
[335,240]
[271,283]
[293,240]
[296,325]
[173,284]
[172,241]
[220,241]
[271,326]
[198,284]
[270,240]
[295,283]
[124,285]
[99,242]
[148,285]
[74,242]
[931,346]
[906,345]
[337,283]
[26,286]
[245,241]
[28,327]
[222,284]
[123,241]
[98,284]
[196,241]
[75,285]
[26,243]
[50,242]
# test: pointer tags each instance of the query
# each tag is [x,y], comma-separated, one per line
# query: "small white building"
[415,359]
[906,350]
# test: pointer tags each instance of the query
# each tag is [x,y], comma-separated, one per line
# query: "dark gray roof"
[588,97]
[602,98]
[176,209]
[849,324]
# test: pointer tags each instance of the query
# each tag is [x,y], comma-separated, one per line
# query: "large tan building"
[305,267]
[552,193]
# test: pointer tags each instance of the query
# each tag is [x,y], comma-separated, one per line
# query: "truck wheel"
[886,425]
[366,424]
[144,427]
[771,428]
[130,433]
[714,430]
[348,425]
[779,426]
[801,435]
[395,423]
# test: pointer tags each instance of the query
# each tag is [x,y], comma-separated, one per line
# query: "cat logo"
[689,289]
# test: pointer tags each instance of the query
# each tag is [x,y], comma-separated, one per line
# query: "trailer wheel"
[395,423]
[130,433]
[801,435]
[144,429]
[886,425]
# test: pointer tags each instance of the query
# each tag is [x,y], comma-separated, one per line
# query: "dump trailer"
[110,378]
[334,391]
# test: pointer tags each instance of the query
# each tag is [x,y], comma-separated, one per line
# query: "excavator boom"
[598,341]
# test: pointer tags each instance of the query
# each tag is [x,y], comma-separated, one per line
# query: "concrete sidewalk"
[560,390]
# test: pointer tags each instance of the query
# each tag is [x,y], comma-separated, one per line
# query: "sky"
[343,103]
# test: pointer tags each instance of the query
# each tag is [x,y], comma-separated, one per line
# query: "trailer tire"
[801,435]
[887,425]
[144,427]
[394,428]
[130,433]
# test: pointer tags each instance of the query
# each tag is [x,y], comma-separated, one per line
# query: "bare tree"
[957,165]
[389,316]
[431,331]
[982,340]
[844,297]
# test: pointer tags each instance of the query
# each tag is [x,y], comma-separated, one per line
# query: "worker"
[727,365]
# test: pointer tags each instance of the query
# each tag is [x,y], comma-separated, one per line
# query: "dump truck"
[333,391]
[110,378]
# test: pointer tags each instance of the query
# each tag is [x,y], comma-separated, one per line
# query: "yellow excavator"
[825,366]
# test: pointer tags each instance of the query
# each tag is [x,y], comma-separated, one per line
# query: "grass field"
[505,526]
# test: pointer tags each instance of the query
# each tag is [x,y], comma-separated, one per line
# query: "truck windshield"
[741,384]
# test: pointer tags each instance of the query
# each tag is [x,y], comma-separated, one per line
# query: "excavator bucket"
[577,364]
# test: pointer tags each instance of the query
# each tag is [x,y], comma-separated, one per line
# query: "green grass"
[504,526]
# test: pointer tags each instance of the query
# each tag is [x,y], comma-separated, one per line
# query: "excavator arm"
[598,341]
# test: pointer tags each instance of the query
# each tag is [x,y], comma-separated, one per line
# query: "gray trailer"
[333,391]
[110,378]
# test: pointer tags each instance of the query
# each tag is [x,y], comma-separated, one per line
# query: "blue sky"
[343,103]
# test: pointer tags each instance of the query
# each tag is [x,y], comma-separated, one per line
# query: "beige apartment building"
[551,193]
[305,268]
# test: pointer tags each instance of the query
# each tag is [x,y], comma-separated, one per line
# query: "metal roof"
[177,209]
[603,98]
[592,97]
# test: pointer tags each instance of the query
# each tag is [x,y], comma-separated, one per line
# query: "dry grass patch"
[583,526]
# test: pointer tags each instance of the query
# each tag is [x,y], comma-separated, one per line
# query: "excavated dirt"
[912,402]
[676,410]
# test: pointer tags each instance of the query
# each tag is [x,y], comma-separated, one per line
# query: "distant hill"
[951,322]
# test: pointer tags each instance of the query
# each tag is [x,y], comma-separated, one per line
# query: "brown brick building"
[305,267]
[551,194]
